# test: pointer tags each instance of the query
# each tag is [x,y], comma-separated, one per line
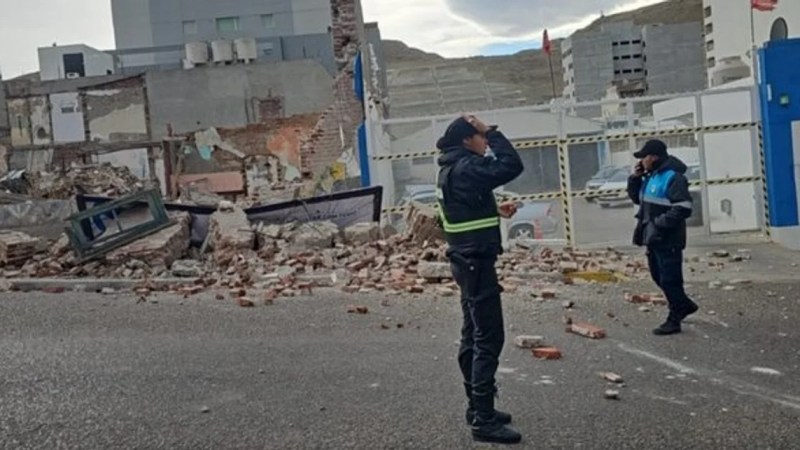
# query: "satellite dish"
[779,31]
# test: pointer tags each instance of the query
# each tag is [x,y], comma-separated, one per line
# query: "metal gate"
[577,157]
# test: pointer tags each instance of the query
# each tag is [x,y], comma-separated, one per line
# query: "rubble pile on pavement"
[92,179]
[289,259]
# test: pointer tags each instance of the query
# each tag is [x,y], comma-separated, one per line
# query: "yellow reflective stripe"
[465,227]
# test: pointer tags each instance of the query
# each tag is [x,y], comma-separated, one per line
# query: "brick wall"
[335,132]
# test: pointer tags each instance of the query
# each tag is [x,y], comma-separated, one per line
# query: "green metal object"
[86,246]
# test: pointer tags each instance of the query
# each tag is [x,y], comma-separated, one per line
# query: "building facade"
[662,58]
[155,32]
[728,36]
[74,61]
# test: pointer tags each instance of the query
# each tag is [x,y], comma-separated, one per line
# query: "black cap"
[653,147]
[455,134]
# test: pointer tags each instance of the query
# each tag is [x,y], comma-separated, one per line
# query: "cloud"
[456,28]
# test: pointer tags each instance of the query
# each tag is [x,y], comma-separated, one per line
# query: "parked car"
[599,179]
[620,181]
[530,219]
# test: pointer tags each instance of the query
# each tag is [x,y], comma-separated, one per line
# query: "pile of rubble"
[92,179]
[291,258]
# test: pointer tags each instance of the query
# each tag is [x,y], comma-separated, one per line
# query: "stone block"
[158,249]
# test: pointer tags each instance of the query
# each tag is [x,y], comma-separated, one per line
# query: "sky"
[451,28]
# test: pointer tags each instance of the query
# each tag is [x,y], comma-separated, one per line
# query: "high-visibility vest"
[483,223]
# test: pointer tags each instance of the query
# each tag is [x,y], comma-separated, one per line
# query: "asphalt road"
[85,371]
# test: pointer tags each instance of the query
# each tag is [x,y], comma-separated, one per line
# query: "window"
[189,27]
[712,62]
[268,20]
[709,28]
[228,24]
[626,56]
[267,50]
[707,12]
[637,70]
[636,41]
[710,45]
[638,56]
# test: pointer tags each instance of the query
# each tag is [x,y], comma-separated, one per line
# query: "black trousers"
[482,333]
[666,268]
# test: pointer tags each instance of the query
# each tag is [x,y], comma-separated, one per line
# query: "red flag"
[763,5]
[546,42]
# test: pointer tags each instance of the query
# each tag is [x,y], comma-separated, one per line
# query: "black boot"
[500,416]
[690,308]
[486,427]
[667,328]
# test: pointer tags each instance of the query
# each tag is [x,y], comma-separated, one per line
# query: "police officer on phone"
[660,188]
[470,217]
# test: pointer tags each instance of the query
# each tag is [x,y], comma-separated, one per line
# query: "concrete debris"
[362,233]
[652,298]
[586,330]
[94,179]
[611,394]
[434,270]
[229,234]
[187,268]
[528,341]
[611,377]
[315,235]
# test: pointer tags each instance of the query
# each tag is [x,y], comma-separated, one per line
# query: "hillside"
[528,71]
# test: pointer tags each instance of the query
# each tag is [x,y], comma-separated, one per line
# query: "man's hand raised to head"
[475,122]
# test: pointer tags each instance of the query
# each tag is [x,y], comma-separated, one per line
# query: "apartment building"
[155,32]
[659,58]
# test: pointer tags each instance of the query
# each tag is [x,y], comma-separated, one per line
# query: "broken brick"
[244,302]
[546,353]
[586,330]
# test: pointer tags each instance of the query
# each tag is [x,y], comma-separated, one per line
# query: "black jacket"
[664,205]
[467,182]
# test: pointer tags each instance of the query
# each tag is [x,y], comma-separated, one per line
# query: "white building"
[74,61]
[728,32]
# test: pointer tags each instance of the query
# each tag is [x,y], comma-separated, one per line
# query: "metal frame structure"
[562,141]
[86,246]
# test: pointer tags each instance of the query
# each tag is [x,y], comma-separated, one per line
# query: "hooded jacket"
[664,205]
[466,182]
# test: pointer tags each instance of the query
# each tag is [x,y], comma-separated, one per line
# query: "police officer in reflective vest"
[660,188]
[470,217]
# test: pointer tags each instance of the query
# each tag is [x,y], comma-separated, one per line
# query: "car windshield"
[605,173]
[619,175]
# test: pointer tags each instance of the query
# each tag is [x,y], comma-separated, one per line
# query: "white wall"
[51,61]
[731,23]
[728,154]
[67,126]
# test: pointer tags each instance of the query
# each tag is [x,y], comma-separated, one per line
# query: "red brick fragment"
[244,302]
[586,330]
[54,290]
[546,353]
